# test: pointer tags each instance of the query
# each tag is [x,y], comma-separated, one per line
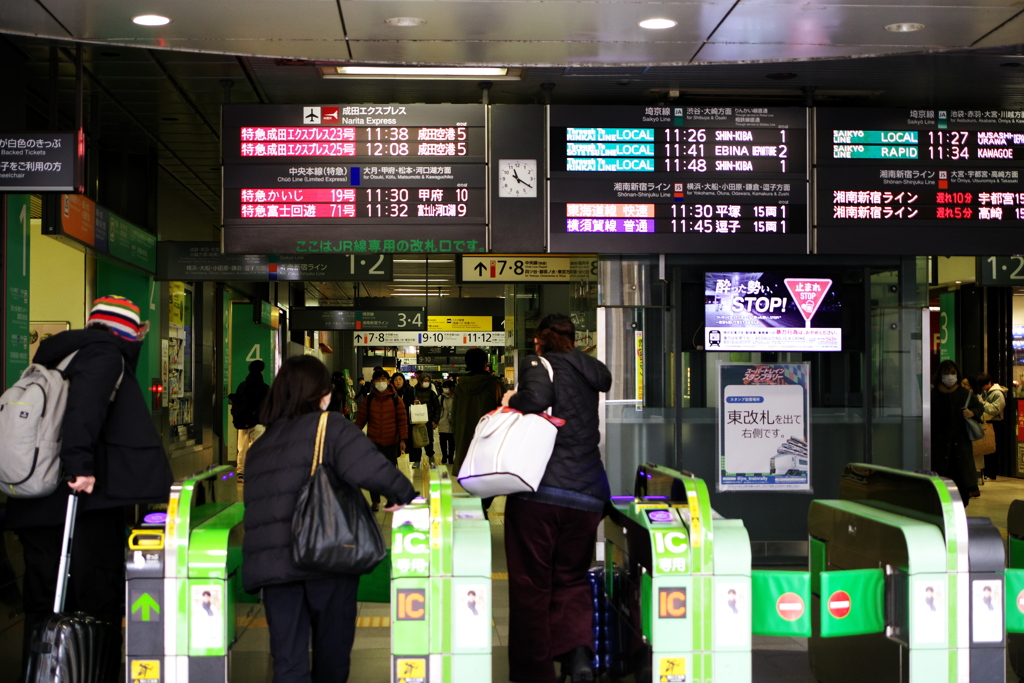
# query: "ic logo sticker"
[410,605]
[672,603]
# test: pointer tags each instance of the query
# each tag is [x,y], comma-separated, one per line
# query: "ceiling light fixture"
[657,24]
[405,22]
[493,73]
[150,20]
[904,27]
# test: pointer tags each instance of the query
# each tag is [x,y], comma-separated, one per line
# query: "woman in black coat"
[298,601]
[550,534]
[952,405]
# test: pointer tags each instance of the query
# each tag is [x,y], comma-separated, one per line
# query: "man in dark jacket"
[245,409]
[383,415]
[425,395]
[114,457]
[477,393]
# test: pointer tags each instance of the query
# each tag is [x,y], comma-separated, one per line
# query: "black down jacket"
[114,441]
[575,463]
[276,469]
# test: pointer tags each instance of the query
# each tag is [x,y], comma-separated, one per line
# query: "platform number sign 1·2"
[517,178]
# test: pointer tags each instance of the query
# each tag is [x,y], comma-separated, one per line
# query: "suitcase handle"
[65,553]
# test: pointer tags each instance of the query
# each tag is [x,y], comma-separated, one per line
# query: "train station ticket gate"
[183,589]
[677,583]
[441,597]
[1015,587]
[905,588]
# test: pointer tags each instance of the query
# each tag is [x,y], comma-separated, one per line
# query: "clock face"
[517,178]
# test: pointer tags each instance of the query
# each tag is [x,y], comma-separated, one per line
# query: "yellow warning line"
[361,622]
[499,576]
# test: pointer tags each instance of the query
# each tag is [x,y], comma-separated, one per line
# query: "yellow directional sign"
[145,670]
[527,268]
[459,323]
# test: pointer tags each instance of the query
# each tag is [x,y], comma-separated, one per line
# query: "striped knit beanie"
[117,313]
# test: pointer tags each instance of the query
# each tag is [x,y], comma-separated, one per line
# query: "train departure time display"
[889,180]
[678,179]
[347,178]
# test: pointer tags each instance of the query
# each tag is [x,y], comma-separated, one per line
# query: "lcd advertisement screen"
[771,312]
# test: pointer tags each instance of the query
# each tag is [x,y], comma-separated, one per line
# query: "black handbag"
[333,528]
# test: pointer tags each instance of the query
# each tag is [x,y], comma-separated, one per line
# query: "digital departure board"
[681,179]
[892,181]
[354,178]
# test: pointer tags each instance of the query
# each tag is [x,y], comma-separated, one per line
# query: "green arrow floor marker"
[145,603]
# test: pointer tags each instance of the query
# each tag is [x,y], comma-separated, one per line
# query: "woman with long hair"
[300,603]
[952,405]
[549,534]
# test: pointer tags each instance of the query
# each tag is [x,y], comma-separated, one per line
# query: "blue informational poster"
[763,427]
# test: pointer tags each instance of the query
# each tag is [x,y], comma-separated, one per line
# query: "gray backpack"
[31,417]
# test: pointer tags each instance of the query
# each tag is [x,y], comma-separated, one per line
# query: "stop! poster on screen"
[763,430]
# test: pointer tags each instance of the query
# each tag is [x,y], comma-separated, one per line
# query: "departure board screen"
[892,181]
[354,178]
[631,179]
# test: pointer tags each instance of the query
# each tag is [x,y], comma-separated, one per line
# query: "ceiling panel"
[716,53]
[532,22]
[26,16]
[510,53]
[860,25]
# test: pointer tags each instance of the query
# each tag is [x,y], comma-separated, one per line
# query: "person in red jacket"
[383,415]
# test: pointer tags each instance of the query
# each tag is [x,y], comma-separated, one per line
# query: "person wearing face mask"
[952,405]
[305,607]
[445,424]
[383,414]
[422,394]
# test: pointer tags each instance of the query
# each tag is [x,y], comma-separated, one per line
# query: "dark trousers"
[323,608]
[391,453]
[549,550]
[447,440]
[96,584]
[416,454]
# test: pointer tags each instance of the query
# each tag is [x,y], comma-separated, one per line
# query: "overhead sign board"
[527,268]
[678,179]
[41,162]
[460,323]
[349,319]
[81,222]
[204,261]
[429,338]
[1001,270]
[354,178]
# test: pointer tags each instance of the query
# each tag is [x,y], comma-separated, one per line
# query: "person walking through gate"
[549,534]
[306,606]
[952,404]
[477,393]
[444,424]
[424,394]
[245,412]
[383,414]
[114,458]
[993,401]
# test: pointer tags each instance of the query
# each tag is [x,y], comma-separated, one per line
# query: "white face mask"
[380,386]
[949,381]
[412,383]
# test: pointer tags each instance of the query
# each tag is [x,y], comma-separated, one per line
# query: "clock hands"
[518,179]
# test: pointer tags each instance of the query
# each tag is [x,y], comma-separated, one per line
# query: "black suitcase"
[72,648]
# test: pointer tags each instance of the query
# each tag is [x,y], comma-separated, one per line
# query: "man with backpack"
[383,415]
[110,453]
[245,411]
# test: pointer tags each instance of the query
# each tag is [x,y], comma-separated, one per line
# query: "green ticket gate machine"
[441,598]
[904,587]
[183,588]
[678,583]
[1015,587]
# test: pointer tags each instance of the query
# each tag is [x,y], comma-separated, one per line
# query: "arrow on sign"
[145,603]
[359,339]
[480,269]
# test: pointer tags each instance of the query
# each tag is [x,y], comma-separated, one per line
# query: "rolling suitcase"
[72,648]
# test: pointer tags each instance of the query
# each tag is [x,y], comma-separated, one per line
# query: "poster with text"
[763,430]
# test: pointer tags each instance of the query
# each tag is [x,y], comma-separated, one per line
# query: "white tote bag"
[418,413]
[510,450]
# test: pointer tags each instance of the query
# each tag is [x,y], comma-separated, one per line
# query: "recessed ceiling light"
[150,20]
[657,23]
[904,27]
[427,72]
[405,21]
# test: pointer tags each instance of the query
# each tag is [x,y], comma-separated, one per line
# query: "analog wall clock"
[517,178]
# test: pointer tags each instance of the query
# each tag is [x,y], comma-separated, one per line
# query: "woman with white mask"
[952,405]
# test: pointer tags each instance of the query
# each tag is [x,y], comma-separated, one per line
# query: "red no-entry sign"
[839,604]
[790,606]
